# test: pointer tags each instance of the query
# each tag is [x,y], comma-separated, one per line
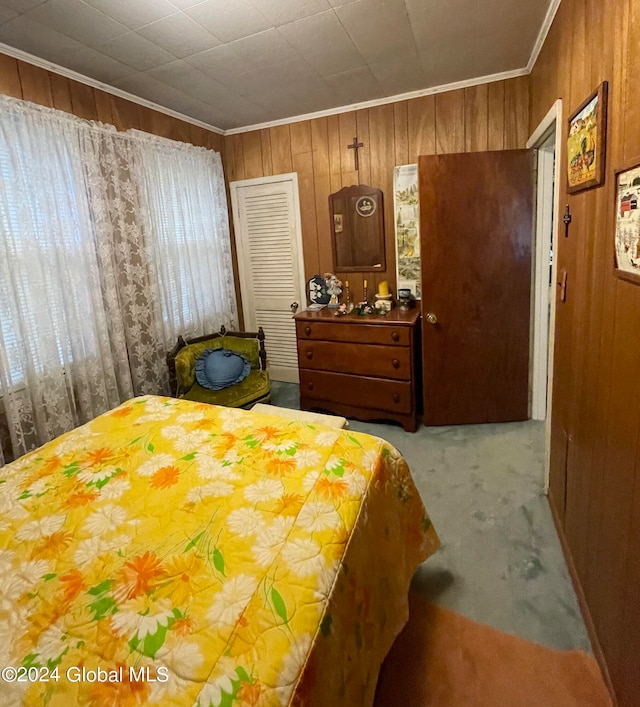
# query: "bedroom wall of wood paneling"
[491,116]
[32,83]
[595,462]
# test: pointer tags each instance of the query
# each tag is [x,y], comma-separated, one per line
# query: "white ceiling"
[233,63]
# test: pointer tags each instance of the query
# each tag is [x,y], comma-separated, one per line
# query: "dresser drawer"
[360,391]
[357,333]
[361,359]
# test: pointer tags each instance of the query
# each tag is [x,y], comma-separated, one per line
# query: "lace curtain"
[85,296]
[186,208]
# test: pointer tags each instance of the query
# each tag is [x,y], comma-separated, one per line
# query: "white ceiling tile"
[229,20]
[501,51]
[21,6]
[194,83]
[221,63]
[136,51]
[432,22]
[147,87]
[96,65]
[265,49]
[36,39]
[134,14]
[77,20]
[379,28]
[33,38]
[179,35]
[6,14]
[285,11]
[182,4]
[355,86]
[324,43]
[400,75]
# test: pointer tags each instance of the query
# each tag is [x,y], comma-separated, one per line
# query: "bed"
[177,553]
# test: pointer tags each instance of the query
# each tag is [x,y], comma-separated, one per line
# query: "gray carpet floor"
[500,562]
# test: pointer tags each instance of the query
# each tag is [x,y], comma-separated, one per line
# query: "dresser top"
[395,317]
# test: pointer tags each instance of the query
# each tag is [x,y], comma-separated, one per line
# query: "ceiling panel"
[134,13]
[378,28]
[265,49]
[324,43]
[229,20]
[284,11]
[78,20]
[355,85]
[180,35]
[222,63]
[21,5]
[52,46]
[239,62]
[6,14]
[136,51]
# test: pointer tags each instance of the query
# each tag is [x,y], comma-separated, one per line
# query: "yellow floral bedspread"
[175,553]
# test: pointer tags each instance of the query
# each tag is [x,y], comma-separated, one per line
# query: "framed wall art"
[407,223]
[587,142]
[627,223]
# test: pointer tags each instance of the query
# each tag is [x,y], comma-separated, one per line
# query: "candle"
[383,289]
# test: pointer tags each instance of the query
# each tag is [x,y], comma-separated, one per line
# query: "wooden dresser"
[365,367]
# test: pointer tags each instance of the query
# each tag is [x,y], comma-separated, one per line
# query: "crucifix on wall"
[355,146]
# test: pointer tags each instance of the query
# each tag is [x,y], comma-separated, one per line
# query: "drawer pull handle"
[395,363]
[309,355]
[307,330]
[395,336]
[396,397]
[309,385]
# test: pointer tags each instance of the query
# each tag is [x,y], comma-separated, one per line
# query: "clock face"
[318,290]
[366,206]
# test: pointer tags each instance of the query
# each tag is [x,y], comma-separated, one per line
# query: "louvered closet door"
[266,216]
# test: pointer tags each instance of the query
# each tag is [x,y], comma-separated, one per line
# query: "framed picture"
[337,223]
[627,229]
[587,142]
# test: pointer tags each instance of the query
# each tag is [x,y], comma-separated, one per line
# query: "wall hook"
[567,218]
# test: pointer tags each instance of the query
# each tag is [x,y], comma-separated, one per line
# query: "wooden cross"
[355,147]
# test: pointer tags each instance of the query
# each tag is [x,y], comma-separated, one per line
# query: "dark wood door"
[476,224]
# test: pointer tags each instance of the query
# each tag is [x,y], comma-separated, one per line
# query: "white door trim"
[547,139]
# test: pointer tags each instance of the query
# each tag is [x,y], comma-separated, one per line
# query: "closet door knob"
[431,318]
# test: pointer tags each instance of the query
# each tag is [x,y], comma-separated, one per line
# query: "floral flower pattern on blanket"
[196,543]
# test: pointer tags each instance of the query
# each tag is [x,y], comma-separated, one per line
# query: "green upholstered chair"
[255,388]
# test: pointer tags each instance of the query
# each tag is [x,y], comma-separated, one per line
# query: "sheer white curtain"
[63,357]
[186,208]
[110,245]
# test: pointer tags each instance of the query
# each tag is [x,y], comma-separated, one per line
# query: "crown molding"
[542,34]
[467,83]
[56,68]
[80,78]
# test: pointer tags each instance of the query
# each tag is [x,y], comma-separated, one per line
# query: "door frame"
[546,139]
[234,187]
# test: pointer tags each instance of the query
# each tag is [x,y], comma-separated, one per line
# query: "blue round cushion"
[220,368]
